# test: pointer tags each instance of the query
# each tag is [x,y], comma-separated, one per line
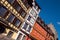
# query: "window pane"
[35,6]
[25,26]
[32,20]
[29,18]
[33,13]
[29,28]
[17,23]
[11,18]
[19,37]
[10,34]
[23,14]
[17,6]
[10,1]
[25,3]
[2,11]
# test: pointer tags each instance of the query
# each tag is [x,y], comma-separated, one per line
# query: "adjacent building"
[51,26]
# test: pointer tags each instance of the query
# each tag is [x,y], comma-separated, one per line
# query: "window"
[11,1]
[32,20]
[2,29]
[29,18]
[29,28]
[33,13]
[10,34]
[23,14]
[17,23]
[24,37]
[25,3]
[25,26]
[2,11]
[11,18]
[17,6]
[19,37]
[35,6]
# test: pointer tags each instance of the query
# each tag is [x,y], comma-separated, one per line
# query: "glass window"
[23,14]
[2,29]
[11,1]
[29,18]
[33,13]
[10,34]
[2,11]
[19,37]
[25,3]
[24,38]
[25,26]
[17,22]
[17,6]
[29,28]
[32,20]
[11,18]
[35,6]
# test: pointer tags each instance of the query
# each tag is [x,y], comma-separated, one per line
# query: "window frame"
[3,11]
[15,6]
[11,18]
[33,13]
[23,14]
[24,37]
[26,3]
[9,34]
[19,36]
[18,23]
[29,18]
[29,28]
[25,27]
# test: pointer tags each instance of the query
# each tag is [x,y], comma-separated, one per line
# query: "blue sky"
[50,13]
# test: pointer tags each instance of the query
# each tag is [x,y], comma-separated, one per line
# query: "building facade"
[51,26]
[18,17]
[41,29]
[19,20]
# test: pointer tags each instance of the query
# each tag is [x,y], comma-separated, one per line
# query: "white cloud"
[58,22]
